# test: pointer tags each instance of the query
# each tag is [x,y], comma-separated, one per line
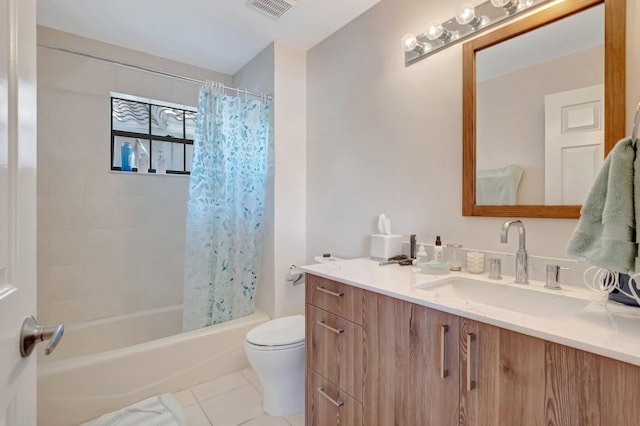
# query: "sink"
[508,297]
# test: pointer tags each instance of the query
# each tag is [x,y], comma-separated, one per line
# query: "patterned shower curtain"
[225,209]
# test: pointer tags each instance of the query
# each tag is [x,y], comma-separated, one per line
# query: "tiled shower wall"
[108,243]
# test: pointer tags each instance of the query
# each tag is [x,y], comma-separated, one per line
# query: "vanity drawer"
[327,405]
[340,299]
[334,350]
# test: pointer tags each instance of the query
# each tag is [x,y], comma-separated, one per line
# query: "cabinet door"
[407,381]
[334,349]
[502,377]
[338,298]
[386,360]
[434,367]
[584,389]
[328,405]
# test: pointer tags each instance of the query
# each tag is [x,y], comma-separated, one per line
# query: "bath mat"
[159,410]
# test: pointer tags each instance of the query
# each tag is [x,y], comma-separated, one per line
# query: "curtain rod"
[153,71]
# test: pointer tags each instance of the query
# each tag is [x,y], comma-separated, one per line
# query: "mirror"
[560,68]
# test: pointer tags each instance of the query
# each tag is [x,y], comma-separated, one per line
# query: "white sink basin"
[509,297]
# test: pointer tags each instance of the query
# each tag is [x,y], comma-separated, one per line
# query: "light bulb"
[409,42]
[466,14]
[434,30]
[510,6]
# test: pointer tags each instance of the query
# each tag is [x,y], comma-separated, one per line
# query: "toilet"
[276,351]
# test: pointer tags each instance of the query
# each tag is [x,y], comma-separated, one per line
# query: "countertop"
[611,330]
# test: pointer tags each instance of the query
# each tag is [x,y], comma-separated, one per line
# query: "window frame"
[150,137]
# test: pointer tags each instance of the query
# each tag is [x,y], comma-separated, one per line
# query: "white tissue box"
[384,247]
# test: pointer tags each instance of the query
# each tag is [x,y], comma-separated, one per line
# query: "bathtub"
[104,365]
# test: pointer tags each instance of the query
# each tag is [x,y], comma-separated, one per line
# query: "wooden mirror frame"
[614,98]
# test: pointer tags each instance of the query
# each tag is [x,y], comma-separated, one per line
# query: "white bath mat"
[159,410]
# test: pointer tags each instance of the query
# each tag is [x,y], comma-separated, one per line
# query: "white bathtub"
[104,365]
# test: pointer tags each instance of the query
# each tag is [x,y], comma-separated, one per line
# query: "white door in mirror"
[574,143]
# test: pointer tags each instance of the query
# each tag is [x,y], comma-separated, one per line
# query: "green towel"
[606,232]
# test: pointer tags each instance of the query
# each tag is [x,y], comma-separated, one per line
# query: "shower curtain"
[225,210]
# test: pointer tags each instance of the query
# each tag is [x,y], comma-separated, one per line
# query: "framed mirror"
[543,103]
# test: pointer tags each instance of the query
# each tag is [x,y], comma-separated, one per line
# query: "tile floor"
[231,400]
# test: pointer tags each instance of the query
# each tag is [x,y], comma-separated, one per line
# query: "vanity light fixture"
[469,21]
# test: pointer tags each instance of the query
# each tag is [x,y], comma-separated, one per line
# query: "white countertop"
[612,332]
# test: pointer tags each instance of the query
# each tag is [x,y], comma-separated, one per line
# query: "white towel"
[498,187]
[159,410]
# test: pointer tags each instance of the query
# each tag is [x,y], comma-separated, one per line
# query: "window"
[155,127]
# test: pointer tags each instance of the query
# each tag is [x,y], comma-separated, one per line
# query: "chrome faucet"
[522,259]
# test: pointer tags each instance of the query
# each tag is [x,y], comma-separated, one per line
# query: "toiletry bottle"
[143,163]
[412,246]
[421,257]
[125,156]
[161,169]
[438,252]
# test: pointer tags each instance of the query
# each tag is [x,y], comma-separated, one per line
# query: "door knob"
[34,333]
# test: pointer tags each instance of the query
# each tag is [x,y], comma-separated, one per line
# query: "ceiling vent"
[272,8]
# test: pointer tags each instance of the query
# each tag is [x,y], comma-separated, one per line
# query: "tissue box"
[384,247]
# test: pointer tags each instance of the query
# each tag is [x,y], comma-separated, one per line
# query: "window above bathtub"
[153,128]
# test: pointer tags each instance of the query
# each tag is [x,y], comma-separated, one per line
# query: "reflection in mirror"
[549,83]
[543,102]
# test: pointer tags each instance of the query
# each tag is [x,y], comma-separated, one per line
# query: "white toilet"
[276,351]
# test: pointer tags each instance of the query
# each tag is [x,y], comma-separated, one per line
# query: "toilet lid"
[278,332]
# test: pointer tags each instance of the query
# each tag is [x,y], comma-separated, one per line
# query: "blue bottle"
[125,155]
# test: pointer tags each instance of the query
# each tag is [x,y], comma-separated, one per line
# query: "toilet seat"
[278,334]
[259,348]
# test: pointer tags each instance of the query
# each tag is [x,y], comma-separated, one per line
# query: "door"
[411,364]
[17,207]
[502,377]
[574,143]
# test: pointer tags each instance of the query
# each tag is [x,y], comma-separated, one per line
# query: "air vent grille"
[272,8]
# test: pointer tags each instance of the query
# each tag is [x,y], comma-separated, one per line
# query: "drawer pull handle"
[337,403]
[328,327]
[470,383]
[443,370]
[332,293]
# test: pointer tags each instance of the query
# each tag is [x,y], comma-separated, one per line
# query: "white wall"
[108,243]
[290,175]
[383,137]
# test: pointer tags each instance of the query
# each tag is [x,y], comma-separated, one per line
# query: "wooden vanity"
[373,359]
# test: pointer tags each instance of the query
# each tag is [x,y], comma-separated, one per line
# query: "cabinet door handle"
[328,327]
[470,383]
[335,402]
[332,293]
[444,329]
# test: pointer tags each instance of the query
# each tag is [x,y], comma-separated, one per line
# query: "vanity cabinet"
[399,363]
[334,353]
